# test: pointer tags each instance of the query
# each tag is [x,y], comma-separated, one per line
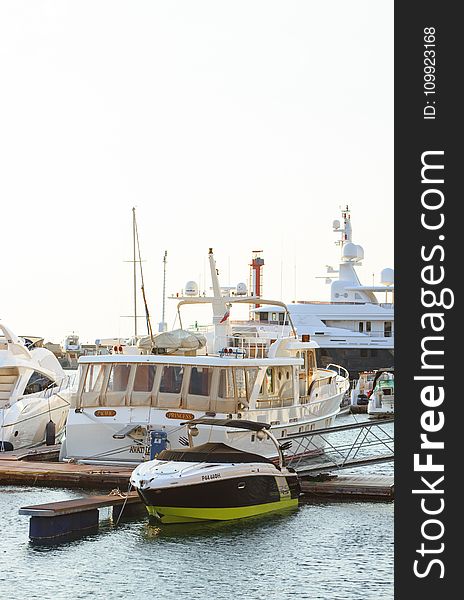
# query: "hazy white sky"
[239,125]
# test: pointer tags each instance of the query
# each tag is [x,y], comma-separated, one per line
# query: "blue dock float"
[59,521]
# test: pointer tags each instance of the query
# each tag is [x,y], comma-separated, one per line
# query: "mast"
[135,269]
[162,326]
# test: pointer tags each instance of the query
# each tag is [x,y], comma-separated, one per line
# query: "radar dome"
[191,288]
[241,289]
[387,276]
[336,224]
[350,251]
[360,251]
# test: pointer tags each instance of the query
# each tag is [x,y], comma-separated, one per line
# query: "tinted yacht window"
[37,383]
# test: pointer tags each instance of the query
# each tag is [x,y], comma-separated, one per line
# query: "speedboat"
[33,402]
[215,482]
[382,395]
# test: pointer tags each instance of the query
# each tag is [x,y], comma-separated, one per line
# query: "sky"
[239,126]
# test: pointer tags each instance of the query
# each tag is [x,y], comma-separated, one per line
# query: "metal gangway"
[340,447]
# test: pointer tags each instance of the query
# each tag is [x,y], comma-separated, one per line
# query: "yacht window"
[387,329]
[240,383]
[269,381]
[361,327]
[171,380]
[119,378]
[363,352]
[38,382]
[274,317]
[251,375]
[264,316]
[200,381]
[373,352]
[144,378]
[368,326]
[226,384]
[310,359]
[94,378]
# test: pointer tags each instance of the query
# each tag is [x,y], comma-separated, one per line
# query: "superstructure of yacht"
[123,400]
[33,387]
[354,328]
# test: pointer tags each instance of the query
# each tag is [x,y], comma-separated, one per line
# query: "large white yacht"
[33,403]
[354,328]
[128,404]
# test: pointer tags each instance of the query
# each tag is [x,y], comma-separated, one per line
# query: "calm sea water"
[320,551]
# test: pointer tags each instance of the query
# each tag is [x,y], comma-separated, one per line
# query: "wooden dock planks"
[63,474]
[356,487]
[67,507]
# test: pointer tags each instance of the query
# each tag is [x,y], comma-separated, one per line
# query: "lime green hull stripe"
[175,514]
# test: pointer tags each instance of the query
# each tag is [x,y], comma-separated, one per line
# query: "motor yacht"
[123,399]
[33,390]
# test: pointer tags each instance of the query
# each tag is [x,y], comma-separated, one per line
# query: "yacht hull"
[233,498]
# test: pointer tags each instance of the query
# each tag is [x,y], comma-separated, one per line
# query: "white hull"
[90,438]
[24,424]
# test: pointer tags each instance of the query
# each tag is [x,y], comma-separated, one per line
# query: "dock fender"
[50,433]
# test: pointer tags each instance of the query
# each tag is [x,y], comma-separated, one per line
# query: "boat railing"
[243,344]
[339,369]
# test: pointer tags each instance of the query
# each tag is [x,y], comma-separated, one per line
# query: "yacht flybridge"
[125,401]
[33,406]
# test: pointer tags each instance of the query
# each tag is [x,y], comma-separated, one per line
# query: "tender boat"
[33,389]
[214,481]
[382,395]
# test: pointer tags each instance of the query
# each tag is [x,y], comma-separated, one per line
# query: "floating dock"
[59,474]
[59,521]
[350,487]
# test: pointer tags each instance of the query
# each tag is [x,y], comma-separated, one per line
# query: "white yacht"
[129,405]
[71,343]
[382,395]
[353,328]
[33,403]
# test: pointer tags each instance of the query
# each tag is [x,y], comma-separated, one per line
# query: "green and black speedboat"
[215,481]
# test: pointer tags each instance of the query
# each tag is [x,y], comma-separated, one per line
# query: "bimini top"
[235,423]
[212,452]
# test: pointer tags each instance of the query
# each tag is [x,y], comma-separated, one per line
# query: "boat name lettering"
[139,449]
[105,413]
[180,415]
[212,476]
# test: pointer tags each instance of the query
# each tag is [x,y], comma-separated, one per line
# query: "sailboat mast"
[135,269]
[164,289]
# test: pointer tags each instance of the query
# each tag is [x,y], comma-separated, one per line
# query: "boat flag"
[225,317]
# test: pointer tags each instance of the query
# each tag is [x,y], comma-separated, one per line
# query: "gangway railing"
[341,447]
